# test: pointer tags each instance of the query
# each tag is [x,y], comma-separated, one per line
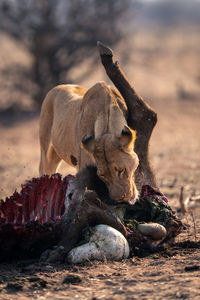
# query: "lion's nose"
[132,196]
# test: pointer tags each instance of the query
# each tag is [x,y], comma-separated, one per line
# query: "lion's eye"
[121,172]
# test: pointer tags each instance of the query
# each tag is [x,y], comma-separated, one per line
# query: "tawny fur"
[84,127]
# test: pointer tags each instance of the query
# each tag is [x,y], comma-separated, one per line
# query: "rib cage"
[41,199]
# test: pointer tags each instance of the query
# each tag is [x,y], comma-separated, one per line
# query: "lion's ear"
[88,143]
[127,138]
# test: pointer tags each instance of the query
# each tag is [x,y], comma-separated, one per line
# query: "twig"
[188,228]
[195,198]
[194,225]
[181,201]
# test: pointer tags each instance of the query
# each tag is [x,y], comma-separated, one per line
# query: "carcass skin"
[40,217]
[35,219]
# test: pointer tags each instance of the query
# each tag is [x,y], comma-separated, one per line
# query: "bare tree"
[61,34]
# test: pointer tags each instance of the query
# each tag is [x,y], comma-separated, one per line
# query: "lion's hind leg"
[49,161]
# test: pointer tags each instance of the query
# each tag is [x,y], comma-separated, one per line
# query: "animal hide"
[47,209]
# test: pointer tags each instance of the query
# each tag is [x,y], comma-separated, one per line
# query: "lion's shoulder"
[70,89]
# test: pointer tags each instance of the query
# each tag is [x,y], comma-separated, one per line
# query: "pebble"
[73,279]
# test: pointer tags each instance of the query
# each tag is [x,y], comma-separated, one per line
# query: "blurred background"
[47,42]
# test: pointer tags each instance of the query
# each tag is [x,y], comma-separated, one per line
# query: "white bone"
[105,242]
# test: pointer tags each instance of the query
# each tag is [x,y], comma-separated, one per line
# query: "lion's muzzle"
[119,195]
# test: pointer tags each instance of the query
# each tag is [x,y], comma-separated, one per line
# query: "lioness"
[88,127]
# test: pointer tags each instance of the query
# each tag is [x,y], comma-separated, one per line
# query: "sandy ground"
[166,73]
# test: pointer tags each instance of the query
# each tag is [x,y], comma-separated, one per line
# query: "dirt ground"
[166,72]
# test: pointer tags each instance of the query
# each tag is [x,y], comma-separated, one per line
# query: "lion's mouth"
[132,201]
[134,197]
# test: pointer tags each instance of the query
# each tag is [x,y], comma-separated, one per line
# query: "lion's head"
[116,162]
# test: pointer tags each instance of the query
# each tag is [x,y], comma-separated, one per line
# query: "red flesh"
[40,199]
